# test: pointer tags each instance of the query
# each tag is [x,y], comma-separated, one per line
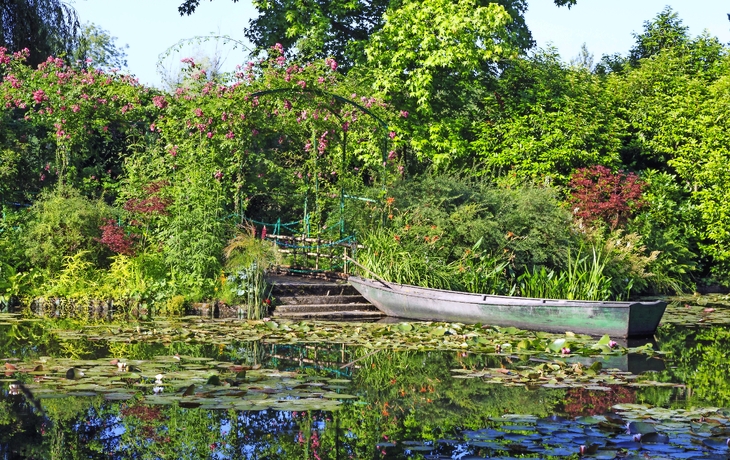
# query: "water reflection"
[407,404]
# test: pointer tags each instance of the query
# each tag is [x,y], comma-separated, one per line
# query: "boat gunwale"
[484,298]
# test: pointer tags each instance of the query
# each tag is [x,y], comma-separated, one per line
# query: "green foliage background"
[462,133]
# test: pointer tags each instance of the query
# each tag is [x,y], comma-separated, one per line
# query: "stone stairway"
[299,297]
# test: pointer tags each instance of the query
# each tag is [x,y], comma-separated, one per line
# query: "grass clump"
[247,261]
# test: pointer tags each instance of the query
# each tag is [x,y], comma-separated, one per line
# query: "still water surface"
[145,391]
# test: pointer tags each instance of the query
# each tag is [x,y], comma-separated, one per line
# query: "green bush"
[61,224]
[670,225]
[527,224]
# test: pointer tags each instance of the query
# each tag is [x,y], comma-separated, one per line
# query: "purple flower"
[565,351]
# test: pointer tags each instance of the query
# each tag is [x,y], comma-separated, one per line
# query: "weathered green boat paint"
[617,319]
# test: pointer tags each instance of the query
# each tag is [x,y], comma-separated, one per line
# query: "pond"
[196,388]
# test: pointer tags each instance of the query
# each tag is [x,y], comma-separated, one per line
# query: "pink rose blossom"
[39,96]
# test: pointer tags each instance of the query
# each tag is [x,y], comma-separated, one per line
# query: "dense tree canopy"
[45,27]
[341,28]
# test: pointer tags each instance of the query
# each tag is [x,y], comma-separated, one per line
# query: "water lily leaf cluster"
[703,310]
[401,336]
[184,380]
[559,374]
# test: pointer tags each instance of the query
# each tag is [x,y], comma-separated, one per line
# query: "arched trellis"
[338,98]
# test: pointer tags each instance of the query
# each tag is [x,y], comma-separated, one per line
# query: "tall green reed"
[582,279]
[406,260]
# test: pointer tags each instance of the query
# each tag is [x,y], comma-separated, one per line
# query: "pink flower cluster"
[14,82]
[322,144]
[159,102]
[4,58]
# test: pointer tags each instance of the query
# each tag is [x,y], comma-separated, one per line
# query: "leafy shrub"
[77,279]
[14,270]
[175,306]
[114,237]
[61,224]
[527,224]
[139,279]
[670,225]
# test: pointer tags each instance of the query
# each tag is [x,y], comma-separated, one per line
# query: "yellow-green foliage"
[78,279]
[175,306]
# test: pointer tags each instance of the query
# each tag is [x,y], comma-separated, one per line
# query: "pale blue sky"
[150,27]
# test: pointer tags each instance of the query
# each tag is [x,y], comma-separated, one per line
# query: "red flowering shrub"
[601,195]
[116,238]
[153,204]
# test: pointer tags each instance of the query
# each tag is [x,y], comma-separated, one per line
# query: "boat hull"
[617,319]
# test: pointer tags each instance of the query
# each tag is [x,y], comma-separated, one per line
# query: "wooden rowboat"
[617,319]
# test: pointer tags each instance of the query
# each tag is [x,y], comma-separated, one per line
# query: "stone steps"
[304,299]
[335,315]
[299,297]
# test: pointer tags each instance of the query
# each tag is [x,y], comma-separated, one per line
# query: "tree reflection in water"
[406,402]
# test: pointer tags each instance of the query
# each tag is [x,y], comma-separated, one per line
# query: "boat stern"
[644,317]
